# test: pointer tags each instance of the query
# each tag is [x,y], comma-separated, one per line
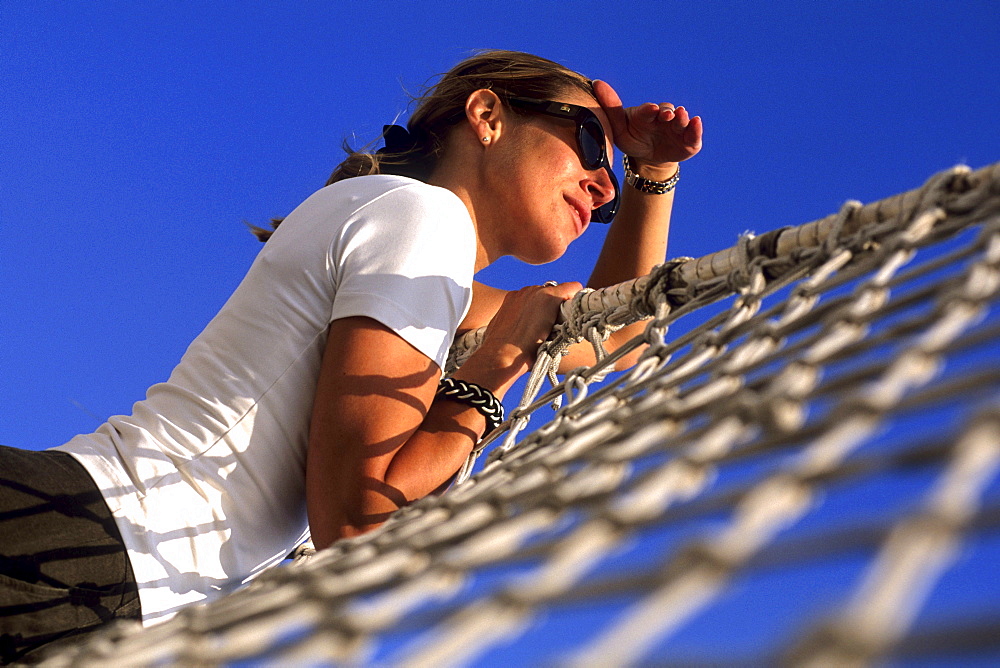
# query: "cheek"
[534,170]
[550,150]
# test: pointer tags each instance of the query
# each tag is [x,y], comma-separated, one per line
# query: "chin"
[542,256]
[548,242]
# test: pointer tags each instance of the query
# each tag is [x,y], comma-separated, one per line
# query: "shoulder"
[386,189]
[403,196]
[376,205]
[407,210]
[401,224]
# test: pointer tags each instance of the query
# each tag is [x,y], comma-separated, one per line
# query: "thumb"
[568,290]
[608,98]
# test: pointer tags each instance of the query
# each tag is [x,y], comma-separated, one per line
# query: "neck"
[462,181]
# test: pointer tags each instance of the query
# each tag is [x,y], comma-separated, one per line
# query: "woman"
[313,402]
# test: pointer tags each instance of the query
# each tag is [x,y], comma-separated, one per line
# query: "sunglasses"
[590,141]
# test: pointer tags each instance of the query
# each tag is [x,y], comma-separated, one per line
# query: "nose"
[601,186]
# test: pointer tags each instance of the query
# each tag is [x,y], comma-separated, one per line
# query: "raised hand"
[655,134]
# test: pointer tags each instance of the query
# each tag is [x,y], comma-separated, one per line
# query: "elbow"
[351,510]
[350,530]
[347,527]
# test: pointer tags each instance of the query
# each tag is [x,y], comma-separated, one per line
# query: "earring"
[486,140]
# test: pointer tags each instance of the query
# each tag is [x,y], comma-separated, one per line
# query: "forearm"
[637,239]
[449,432]
[635,244]
[365,493]
[381,448]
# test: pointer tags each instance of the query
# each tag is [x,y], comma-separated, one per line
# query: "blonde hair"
[439,108]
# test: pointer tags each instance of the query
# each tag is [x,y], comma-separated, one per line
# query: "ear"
[486,115]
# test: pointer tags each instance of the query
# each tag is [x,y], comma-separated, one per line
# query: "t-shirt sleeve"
[406,259]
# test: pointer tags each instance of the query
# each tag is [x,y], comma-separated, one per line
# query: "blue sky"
[139,136]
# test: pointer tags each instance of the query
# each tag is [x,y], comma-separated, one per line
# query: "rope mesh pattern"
[830,413]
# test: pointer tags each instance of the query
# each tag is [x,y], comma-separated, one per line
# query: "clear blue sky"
[138,136]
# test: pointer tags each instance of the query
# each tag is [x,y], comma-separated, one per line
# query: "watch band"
[648,185]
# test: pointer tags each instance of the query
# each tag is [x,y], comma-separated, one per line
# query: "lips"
[582,213]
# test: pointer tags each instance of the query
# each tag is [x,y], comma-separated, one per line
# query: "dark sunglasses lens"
[606,213]
[592,143]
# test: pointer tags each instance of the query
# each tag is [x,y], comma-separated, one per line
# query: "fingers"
[564,291]
[688,128]
[693,133]
[535,306]
[524,320]
[655,132]
[667,112]
[677,118]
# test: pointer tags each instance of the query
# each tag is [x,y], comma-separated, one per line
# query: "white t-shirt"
[206,478]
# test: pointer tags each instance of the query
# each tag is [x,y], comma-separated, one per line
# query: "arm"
[656,137]
[378,440]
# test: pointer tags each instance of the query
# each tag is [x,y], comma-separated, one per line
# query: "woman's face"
[547,195]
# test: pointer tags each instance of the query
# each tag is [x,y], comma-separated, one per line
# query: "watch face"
[647,186]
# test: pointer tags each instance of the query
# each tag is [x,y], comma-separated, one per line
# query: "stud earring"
[486,140]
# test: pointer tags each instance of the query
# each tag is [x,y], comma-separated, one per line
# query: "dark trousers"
[64,569]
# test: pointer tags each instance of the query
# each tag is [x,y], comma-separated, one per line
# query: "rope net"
[804,470]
